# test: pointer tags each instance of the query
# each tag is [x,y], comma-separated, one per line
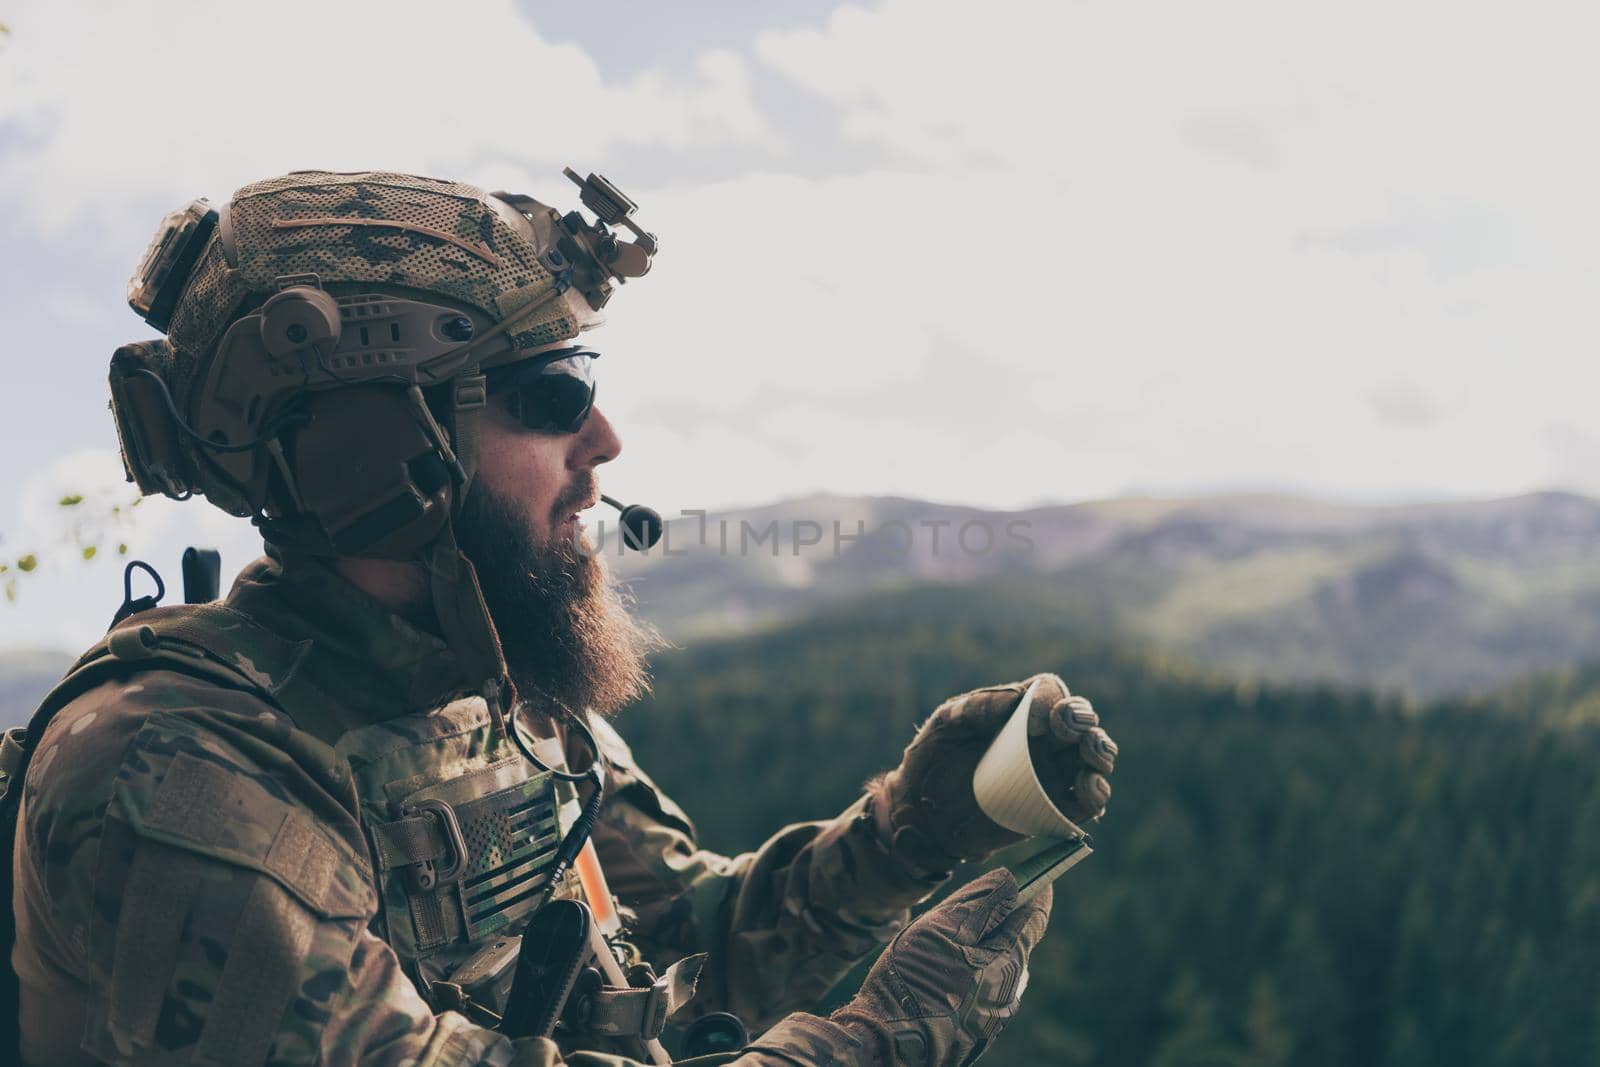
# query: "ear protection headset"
[367,468]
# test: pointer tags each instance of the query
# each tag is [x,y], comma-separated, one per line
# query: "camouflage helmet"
[326,340]
[408,278]
[375,228]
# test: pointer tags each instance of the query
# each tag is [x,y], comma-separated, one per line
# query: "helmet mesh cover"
[482,261]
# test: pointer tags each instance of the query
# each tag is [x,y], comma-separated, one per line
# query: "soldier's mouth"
[578,498]
[576,518]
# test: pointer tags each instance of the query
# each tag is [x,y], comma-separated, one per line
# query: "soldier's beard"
[564,628]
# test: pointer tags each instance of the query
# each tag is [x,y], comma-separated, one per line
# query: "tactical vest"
[462,829]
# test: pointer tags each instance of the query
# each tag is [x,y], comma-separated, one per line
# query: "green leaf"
[27,563]
[122,548]
[71,500]
[11,590]
[89,551]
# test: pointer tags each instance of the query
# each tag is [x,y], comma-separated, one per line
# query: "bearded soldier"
[368,808]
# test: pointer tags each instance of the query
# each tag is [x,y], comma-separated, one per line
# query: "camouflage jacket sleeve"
[193,888]
[782,924]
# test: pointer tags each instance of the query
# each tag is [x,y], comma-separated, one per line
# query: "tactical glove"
[938,995]
[925,808]
[950,981]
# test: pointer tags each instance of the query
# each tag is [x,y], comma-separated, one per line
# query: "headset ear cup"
[368,473]
[152,453]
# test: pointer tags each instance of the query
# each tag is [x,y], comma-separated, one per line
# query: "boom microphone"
[641,526]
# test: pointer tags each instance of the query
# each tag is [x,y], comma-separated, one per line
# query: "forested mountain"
[1429,599]
[1569,696]
[1426,600]
[1294,875]
[1287,876]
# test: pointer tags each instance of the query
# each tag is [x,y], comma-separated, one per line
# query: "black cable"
[578,835]
[577,723]
[182,424]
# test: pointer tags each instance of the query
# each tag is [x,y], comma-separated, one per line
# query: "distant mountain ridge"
[26,675]
[1426,598]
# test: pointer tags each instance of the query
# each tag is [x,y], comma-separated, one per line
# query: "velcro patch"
[302,858]
[222,813]
[193,801]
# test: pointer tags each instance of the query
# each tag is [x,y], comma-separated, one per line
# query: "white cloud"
[1217,230]
[114,104]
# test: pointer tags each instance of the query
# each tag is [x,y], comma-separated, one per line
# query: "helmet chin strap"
[457,596]
[464,621]
[469,398]
[458,603]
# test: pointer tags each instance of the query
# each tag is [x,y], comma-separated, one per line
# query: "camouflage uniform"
[286,828]
[198,881]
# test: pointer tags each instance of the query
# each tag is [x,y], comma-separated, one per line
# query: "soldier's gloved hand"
[947,983]
[925,807]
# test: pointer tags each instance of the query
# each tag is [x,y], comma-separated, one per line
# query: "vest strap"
[409,841]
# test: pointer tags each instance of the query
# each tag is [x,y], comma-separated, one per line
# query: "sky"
[995,254]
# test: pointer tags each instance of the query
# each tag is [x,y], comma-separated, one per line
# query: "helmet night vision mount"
[327,340]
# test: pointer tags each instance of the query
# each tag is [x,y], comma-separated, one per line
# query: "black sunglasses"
[552,392]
